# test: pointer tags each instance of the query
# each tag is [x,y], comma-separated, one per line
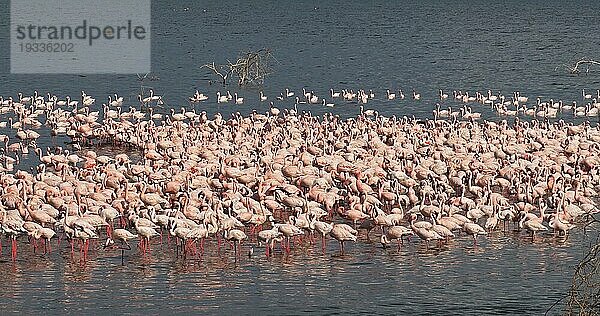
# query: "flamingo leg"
[189,245]
[14,249]
[193,244]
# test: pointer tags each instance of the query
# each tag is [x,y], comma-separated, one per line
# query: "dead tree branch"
[575,69]
[249,68]
[220,71]
[584,294]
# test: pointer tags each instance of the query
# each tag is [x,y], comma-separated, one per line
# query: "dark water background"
[422,45]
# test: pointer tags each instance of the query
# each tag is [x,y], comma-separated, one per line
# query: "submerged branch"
[584,61]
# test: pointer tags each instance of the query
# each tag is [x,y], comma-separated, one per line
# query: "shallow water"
[505,273]
[424,45]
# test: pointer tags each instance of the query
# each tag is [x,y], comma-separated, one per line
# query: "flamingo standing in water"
[269,236]
[474,230]
[342,233]
[425,232]
[47,234]
[14,229]
[323,229]
[146,232]
[237,236]
[231,170]
[123,236]
[395,233]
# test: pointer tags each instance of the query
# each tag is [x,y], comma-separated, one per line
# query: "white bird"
[221,98]
[443,95]
[327,104]
[314,99]
[416,96]
[334,94]
[273,110]
[238,100]
[288,93]
[390,96]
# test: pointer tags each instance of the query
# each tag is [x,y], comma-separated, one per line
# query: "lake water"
[505,274]
[421,45]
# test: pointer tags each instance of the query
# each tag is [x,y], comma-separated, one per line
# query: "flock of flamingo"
[283,176]
[515,105]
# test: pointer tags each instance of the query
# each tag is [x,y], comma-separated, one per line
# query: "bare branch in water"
[575,69]
[584,294]
[219,71]
[249,68]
